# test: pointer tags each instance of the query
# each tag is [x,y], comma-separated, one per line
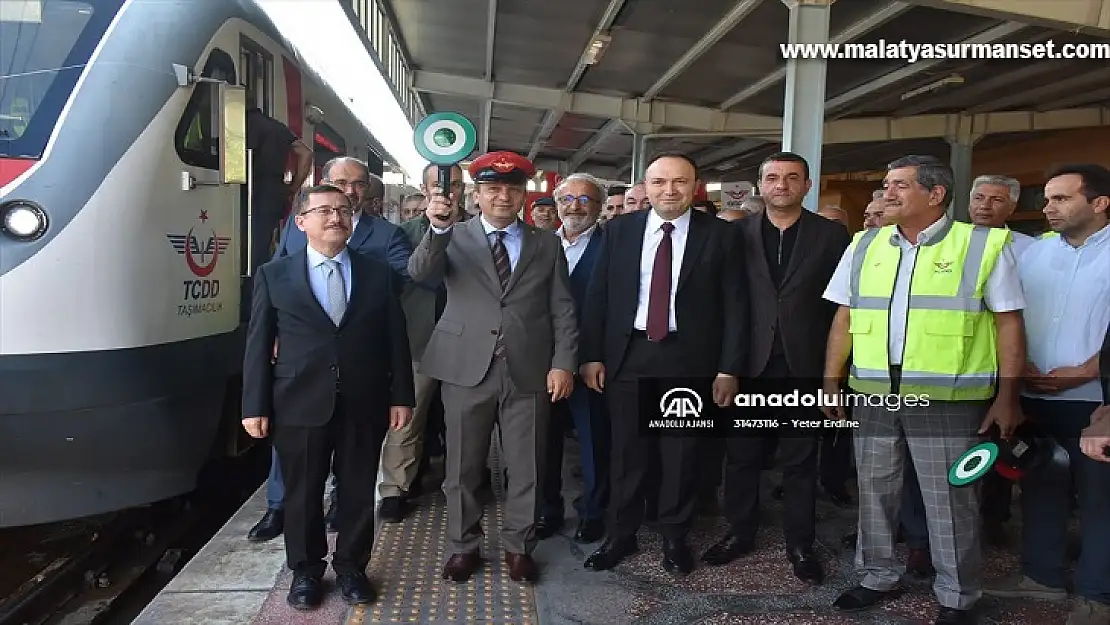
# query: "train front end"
[116,359]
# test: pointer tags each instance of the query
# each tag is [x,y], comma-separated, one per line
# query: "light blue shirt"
[318,274]
[1067,306]
[513,239]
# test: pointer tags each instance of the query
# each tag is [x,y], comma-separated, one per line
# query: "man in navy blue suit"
[579,200]
[371,236]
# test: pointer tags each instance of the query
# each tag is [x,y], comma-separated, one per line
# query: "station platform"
[232,581]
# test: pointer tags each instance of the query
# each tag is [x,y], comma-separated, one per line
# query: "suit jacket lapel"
[476,244]
[756,254]
[298,270]
[804,243]
[527,252]
[695,243]
[362,231]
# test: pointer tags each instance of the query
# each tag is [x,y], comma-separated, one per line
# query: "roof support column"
[803,120]
[639,158]
[962,142]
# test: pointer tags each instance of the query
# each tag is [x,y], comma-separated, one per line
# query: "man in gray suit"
[504,350]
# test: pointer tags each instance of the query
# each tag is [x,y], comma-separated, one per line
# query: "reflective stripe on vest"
[960,326]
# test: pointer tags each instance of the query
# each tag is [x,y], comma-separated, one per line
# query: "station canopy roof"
[522,71]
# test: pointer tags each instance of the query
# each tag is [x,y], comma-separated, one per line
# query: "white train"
[123,213]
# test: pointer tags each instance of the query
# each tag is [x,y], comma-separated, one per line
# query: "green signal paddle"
[973,464]
[444,139]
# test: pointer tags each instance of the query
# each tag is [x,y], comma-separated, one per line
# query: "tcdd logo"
[681,403]
[201,249]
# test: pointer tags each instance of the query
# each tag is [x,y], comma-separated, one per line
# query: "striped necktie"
[504,271]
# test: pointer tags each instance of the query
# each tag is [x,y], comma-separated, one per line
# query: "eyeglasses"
[357,185]
[582,200]
[326,212]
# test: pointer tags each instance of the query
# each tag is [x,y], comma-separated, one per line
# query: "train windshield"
[44,46]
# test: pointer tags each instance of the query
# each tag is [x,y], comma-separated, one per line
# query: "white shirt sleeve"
[1003,291]
[839,289]
[441,230]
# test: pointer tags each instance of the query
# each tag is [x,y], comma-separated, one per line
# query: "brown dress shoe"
[461,566]
[522,568]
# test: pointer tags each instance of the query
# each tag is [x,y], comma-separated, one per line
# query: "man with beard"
[579,199]
[371,236]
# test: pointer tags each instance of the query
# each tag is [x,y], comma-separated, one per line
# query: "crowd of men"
[360,328]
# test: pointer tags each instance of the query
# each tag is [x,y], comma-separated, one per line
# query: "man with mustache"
[543,214]
[579,199]
[342,377]
[504,350]
[993,200]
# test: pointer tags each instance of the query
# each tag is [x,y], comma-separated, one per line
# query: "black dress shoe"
[726,550]
[589,531]
[392,510]
[269,527]
[677,558]
[356,589]
[952,616]
[306,592]
[331,519]
[610,553]
[806,565]
[860,598]
[547,527]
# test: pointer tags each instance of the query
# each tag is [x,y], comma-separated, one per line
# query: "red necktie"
[659,298]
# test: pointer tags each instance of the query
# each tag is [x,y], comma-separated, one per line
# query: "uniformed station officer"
[931,307]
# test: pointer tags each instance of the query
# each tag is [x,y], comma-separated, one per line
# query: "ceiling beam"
[738,12]
[909,71]
[632,111]
[487,106]
[708,120]
[1028,96]
[552,116]
[1090,17]
[859,28]
[591,146]
[966,92]
[1078,99]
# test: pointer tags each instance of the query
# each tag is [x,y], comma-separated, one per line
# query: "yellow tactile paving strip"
[406,568]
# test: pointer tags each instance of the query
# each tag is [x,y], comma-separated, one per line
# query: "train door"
[206,213]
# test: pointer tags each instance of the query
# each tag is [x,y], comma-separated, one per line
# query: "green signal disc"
[445,138]
[973,464]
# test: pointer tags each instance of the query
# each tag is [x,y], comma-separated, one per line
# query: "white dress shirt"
[1069,306]
[1002,293]
[653,236]
[1022,242]
[574,249]
[318,274]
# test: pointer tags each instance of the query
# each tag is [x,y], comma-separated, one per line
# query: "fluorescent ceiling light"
[328,42]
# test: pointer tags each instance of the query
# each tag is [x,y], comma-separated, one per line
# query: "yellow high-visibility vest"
[950,335]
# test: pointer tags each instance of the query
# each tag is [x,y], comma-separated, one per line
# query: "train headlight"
[23,221]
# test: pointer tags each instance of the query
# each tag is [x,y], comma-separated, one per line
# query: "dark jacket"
[366,358]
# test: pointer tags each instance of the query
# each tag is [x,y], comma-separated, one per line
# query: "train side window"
[197,138]
[258,75]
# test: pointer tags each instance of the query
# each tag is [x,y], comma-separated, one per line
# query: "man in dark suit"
[790,256]
[668,299]
[579,200]
[341,375]
[504,350]
[370,235]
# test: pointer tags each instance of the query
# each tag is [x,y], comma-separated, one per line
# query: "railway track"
[105,569]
